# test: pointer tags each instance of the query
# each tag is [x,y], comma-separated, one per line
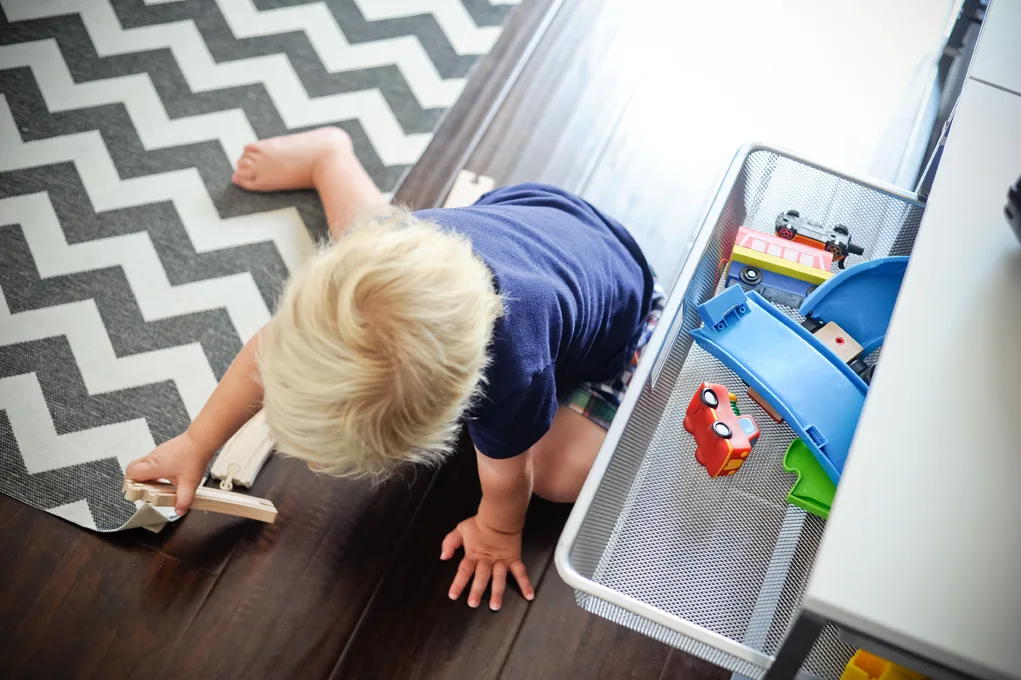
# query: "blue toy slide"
[815,392]
[860,300]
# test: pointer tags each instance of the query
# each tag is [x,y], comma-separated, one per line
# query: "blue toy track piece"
[860,300]
[818,395]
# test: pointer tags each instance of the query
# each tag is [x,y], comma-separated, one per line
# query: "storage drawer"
[716,567]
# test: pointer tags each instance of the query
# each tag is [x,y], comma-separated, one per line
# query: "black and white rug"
[131,270]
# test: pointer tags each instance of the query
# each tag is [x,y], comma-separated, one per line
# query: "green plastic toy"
[813,491]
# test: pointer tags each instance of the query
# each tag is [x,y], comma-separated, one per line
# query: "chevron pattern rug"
[131,270]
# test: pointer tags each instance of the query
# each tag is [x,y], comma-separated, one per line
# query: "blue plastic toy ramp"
[860,299]
[816,393]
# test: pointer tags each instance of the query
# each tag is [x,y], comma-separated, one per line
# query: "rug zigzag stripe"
[235,35]
[43,449]
[466,37]
[101,370]
[242,26]
[485,13]
[247,320]
[132,160]
[179,99]
[174,349]
[285,89]
[87,482]
[336,54]
[107,191]
[131,269]
[356,29]
[135,255]
[77,238]
[71,405]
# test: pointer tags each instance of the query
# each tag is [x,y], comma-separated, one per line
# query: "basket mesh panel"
[728,554]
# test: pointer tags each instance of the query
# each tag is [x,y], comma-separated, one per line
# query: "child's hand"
[487,552]
[182,460]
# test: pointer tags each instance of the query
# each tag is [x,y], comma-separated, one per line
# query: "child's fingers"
[499,584]
[144,469]
[464,572]
[517,568]
[483,570]
[451,543]
[185,494]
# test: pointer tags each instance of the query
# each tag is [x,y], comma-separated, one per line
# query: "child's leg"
[561,460]
[322,160]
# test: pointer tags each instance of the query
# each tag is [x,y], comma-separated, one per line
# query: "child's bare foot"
[289,162]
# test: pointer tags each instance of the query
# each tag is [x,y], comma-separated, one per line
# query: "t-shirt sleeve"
[510,425]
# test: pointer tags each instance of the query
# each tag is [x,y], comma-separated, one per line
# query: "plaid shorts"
[599,401]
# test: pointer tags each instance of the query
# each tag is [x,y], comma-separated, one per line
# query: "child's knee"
[557,485]
[562,459]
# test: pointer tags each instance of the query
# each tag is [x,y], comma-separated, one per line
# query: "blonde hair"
[377,347]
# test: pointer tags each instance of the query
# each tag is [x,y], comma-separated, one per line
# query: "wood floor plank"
[412,629]
[639,111]
[559,639]
[565,105]
[83,605]
[707,82]
[293,592]
[683,666]
[429,181]
[207,539]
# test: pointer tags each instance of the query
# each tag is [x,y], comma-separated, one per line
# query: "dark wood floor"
[348,583]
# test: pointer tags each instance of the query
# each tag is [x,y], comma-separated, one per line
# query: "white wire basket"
[716,567]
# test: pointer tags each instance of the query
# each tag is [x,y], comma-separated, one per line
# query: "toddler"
[522,316]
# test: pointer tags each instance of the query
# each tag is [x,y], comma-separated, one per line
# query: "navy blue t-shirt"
[576,290]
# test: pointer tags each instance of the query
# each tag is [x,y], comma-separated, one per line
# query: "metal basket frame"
[602,516]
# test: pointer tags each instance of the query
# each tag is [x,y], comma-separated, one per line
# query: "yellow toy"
[783,272]
[865,666]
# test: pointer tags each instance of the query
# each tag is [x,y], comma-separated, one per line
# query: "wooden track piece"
[163,495]
[244,454]
[764,405]
[837,339]
[468,188]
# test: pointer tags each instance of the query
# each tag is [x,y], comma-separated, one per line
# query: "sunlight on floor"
[839,82]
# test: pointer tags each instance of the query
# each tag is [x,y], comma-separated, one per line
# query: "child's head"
[377,347]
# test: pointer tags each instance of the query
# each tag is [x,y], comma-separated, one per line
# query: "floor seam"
[528,611]
[382,579]
[998,87]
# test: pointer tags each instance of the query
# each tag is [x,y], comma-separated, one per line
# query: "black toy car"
[793,227]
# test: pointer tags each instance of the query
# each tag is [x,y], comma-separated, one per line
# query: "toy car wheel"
[721,430]
[709,398]
[842,230]
[751,276]
[786,232]
[834,248]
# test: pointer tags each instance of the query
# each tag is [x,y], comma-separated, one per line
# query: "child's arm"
[492,538]
[506,489]
[183,459]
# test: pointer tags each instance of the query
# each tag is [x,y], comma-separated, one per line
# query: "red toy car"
[723,437]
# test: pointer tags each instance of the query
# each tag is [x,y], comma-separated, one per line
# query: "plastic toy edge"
[813,298]
[789,416]
[701,335]
[813,341]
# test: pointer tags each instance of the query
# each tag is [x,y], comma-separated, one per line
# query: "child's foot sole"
[288,162]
